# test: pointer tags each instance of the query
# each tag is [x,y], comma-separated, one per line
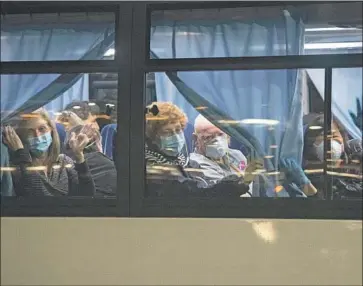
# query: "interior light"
[260,121]
[273,173]
[56,167]
[37,168]
[228,121]
[201,108]
[315,127]
[7,169]
[269,157]
[110,105]
[326,29]
[313,171]
[152,118]
[29,115]
[76,107]
[109,53]
[348,175]
[57,113]
[273,146]
[316,46]
[91,104]
[68,166]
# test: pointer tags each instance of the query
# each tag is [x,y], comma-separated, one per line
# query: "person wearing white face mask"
[339,158]
[213,155]
[168,169]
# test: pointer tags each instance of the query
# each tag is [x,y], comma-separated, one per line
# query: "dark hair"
[310,135]
[84,109]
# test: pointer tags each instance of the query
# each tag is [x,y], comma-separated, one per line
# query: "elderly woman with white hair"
[213,155]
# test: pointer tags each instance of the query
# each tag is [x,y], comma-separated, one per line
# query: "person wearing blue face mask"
[40,168]
[165,142]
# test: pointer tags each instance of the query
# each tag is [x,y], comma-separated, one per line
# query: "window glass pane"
[233,134]
[63,36]
[345,158]
[57,135]
[257,31]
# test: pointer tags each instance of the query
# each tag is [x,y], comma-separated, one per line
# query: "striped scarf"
[155,157]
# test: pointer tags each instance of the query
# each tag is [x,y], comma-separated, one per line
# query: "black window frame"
[132,62]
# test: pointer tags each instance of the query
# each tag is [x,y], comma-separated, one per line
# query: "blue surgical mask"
[172,145]
[40,144]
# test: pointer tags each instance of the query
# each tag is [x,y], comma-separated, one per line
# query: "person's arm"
[6,181]
[80,179]
[84,184]
[27,182]
[297,175]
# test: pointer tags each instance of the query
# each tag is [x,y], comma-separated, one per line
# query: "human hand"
[294,171]
[252,170]
[11,139]
[69,119]
[77,143]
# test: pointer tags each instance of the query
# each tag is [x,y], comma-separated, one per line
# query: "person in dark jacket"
[101,167]
[6,181]
[344,168]
[40,168]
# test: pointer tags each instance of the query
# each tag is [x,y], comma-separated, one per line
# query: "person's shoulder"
[236,153]
[195,159]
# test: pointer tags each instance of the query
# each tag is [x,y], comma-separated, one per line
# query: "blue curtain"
[260,94]
[78,91]
[346,94]
[53,37]
[346,86]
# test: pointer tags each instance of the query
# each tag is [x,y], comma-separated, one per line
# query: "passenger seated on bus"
[41,169]
[6,181]
[166,153]
[86,111]
[341,159]
[213,155]
[165,140]
[101,167]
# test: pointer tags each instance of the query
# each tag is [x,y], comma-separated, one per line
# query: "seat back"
[188,134]
[62,135]
[108,132]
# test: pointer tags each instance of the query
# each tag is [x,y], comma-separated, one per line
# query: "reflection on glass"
[345,158]
[53,145]
[57,37]
[245,142]
[257,31]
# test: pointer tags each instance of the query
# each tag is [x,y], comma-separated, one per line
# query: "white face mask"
[336,150]
[218,148]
